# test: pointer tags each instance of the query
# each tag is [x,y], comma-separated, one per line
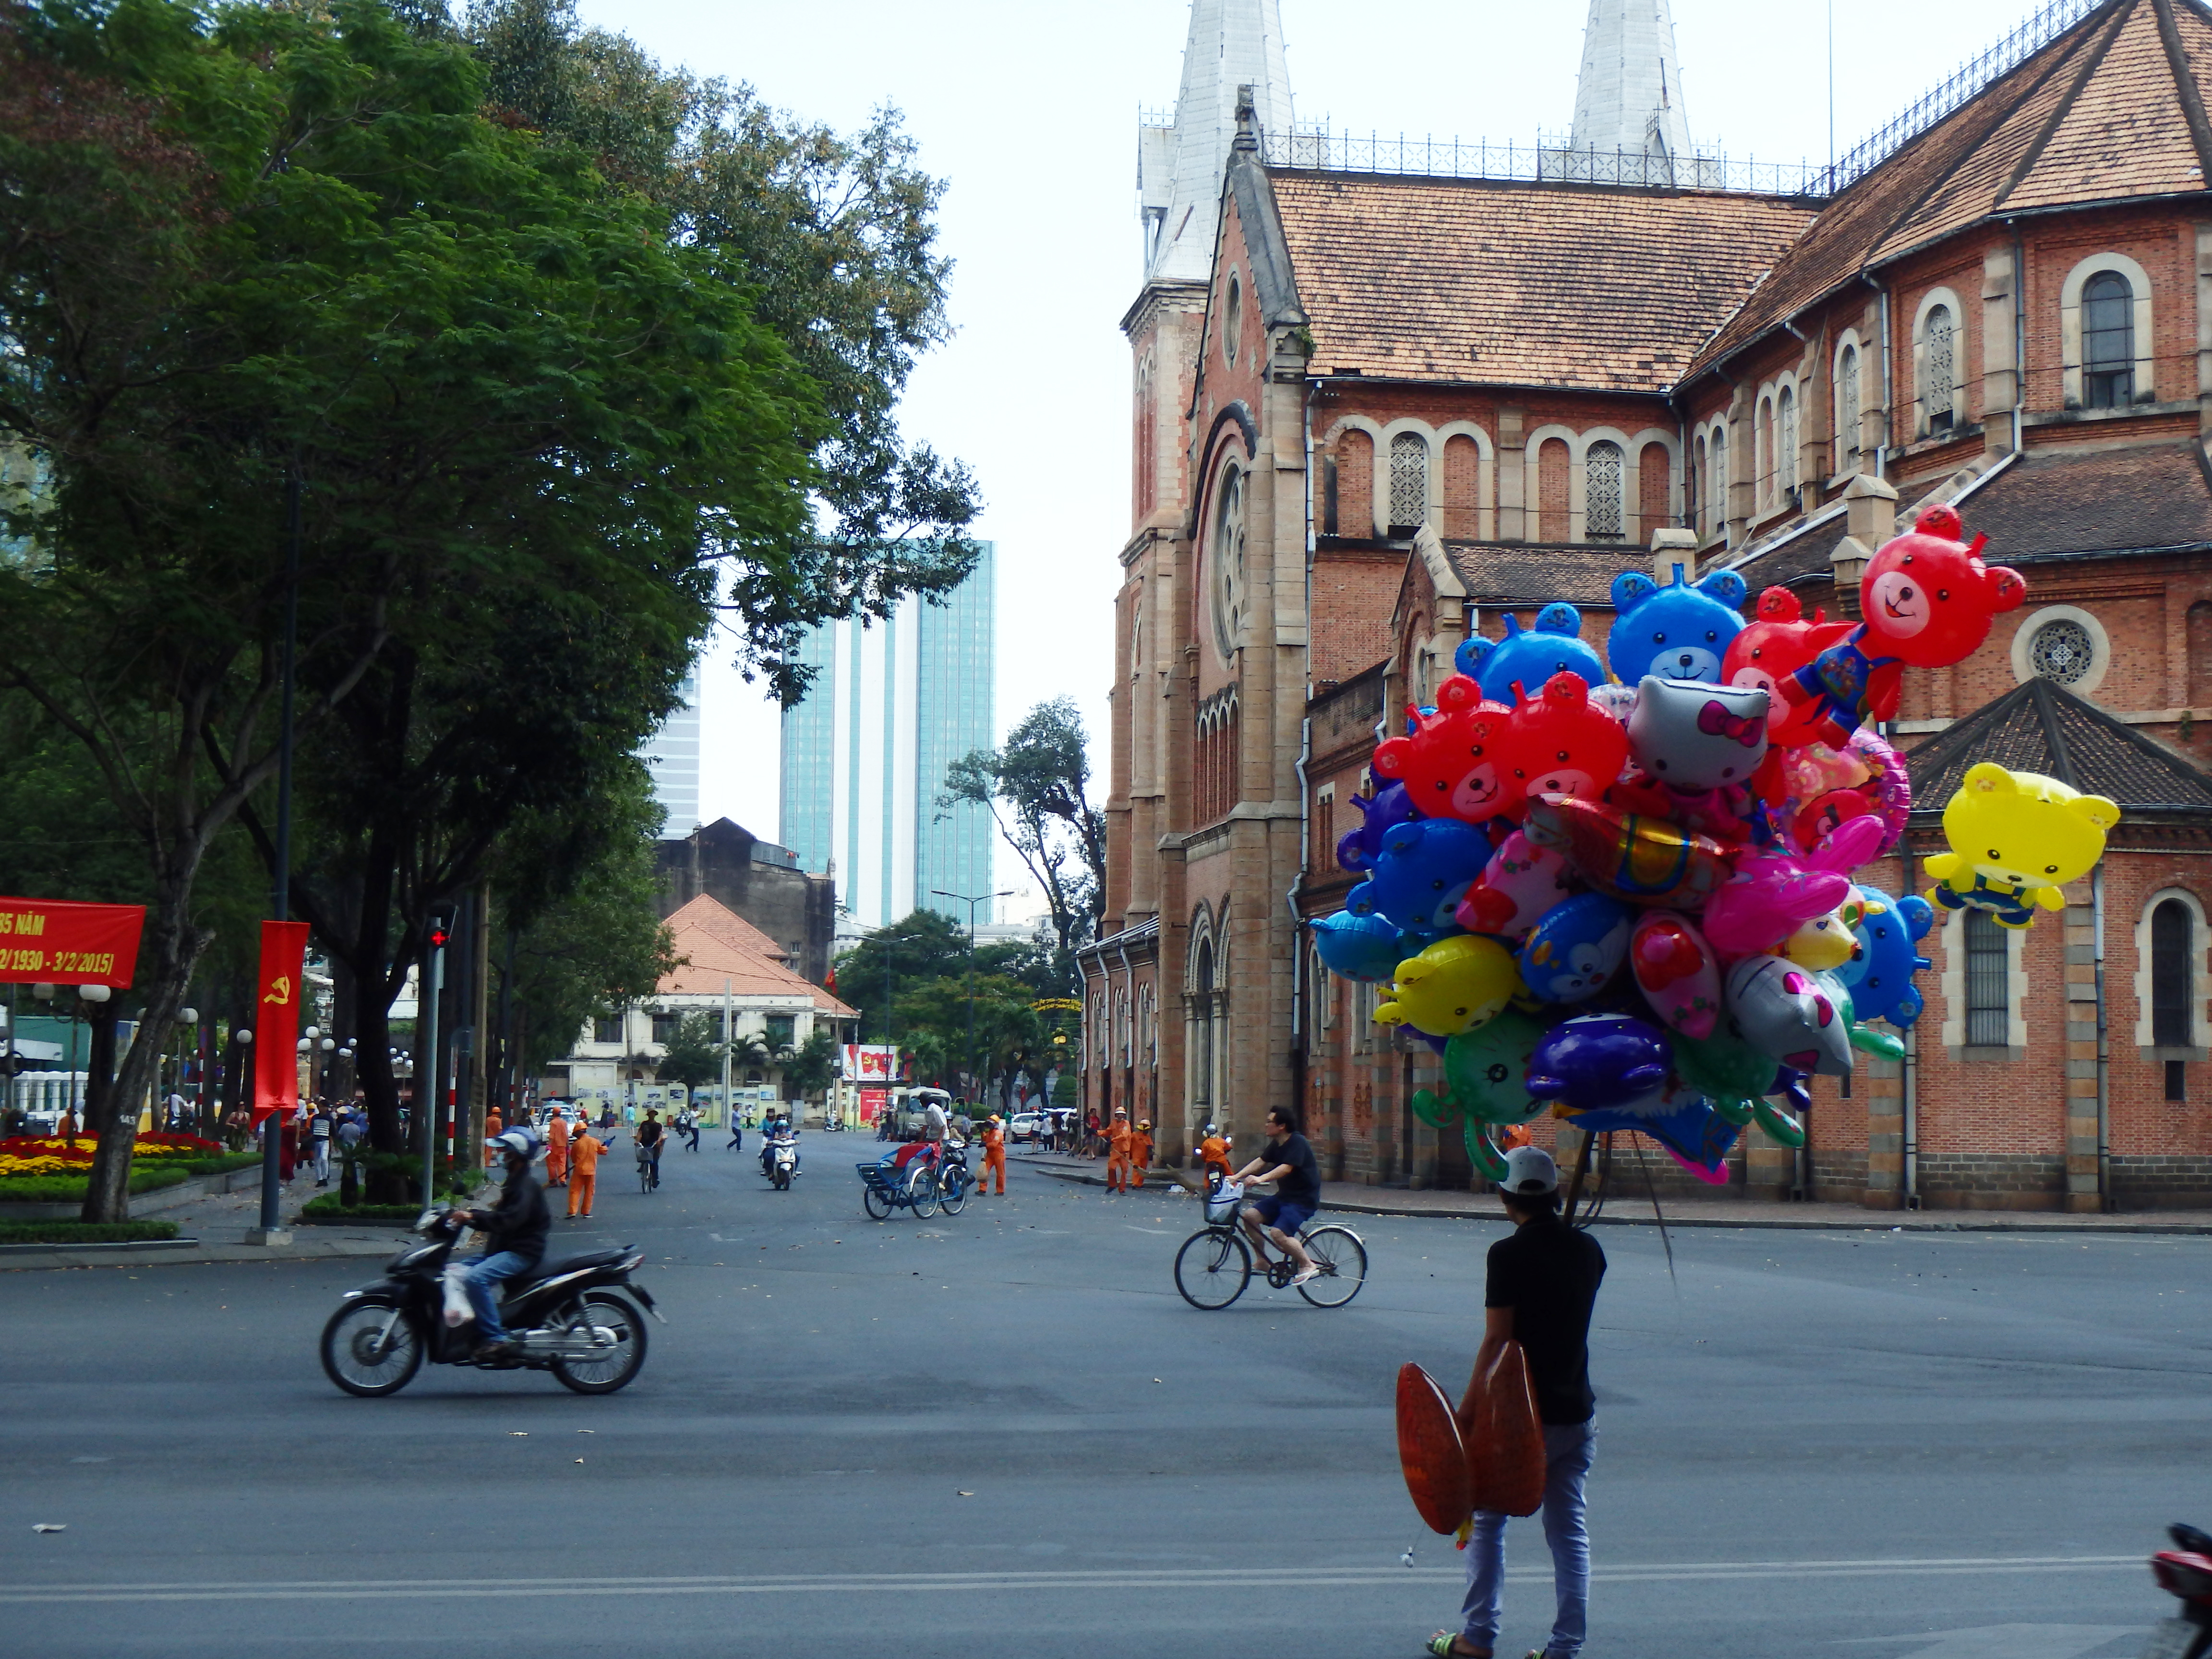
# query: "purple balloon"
[1356,849]
[1600,1061]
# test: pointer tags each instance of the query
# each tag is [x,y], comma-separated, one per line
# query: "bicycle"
[647,1179]
[1215,1263]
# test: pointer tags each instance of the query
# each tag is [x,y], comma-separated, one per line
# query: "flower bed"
[84,1232]
[80,1151]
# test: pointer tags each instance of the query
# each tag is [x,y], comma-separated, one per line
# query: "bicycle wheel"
[922,1186]
[876,1201]
[644,1177]
[1212,1268]
[955,1188]
[1342,1260]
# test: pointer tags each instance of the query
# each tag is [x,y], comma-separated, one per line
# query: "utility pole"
[270,1231]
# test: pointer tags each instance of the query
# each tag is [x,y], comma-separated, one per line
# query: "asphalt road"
[1005,1433]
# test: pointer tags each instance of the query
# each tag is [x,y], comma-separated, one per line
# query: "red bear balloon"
[1559,742]
[1772,648]
[1452,766]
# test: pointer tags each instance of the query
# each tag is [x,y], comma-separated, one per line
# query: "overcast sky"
[1027,109]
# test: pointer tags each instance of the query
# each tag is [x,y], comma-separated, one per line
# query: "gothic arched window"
[2108,342]
[1604,507]
[1940,369]
[1847,411]
[1409,482]
[1785,440]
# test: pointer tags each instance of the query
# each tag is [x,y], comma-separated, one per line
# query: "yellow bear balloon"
[1452,986]
[2016,838]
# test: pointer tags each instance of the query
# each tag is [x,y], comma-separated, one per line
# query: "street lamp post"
[963,898]
[271,1230]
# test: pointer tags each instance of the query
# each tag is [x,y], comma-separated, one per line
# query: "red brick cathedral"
[1388,398]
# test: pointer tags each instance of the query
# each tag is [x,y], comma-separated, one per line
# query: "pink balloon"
[1677,972]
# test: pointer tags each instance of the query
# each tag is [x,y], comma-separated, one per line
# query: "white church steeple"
[1233,43]
[1629,95]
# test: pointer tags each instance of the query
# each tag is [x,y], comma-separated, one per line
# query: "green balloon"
[1437,1112]
[1489,1163]
[1724,1068]
[1488,1069]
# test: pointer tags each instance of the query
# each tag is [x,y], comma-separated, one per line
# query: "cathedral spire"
[1629,95]
[1233,43]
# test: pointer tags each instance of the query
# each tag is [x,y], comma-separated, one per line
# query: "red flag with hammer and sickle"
[276,1017]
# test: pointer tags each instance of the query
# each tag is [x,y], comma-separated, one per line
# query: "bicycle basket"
[1221,1203]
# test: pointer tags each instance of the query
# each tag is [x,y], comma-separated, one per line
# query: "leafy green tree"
[1037,789]
[281,255]
[836,234]
[975,1032]
[811,1067]
[694,1055]
[871,976]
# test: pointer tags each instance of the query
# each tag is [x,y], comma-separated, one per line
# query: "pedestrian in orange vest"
[994,1155]
[556,1151]
[1117,1153]
[584,1150]
[1511,1136]
[67,1128]
[495,1127]
[1213,1155]
[1140,1152]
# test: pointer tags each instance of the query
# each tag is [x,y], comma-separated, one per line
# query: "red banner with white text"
[56,942]
[276,1017]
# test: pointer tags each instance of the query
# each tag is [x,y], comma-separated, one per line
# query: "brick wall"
[1553,462]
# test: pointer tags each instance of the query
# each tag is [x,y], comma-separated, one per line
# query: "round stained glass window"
[2062,651]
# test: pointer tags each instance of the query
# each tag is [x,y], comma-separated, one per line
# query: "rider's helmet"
[521,1143]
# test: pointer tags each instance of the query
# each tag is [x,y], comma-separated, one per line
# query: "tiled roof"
[1511,284]
[2112,111]
[2058,500]
[2039,727]
[1524,573]
[716,944]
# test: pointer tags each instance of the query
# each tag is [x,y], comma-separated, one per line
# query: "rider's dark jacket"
[520,1221]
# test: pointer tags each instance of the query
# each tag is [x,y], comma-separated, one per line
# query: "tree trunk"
[168,953]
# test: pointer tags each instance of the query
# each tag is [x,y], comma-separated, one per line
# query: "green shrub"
[70,1189]
[222,1164]
[328,1211]
[83,1232]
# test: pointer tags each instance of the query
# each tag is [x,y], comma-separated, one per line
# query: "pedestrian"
[1117,1152]
[1542,1284]
[1213,1155]
[66,1128]
[494,1128]
[318,1139]
[1140,1152]
[288,1148]
[994,1154]
[179,1108]
[737,1133]
[691,1126]
[556,1151]
[584,1150]
[1090,1133]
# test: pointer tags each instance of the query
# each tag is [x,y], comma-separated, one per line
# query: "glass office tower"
[864,754]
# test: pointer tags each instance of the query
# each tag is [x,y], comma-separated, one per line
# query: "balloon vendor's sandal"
[1444,1645]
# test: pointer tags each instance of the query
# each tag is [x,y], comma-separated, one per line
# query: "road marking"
[1211,1580]
[1161,1231]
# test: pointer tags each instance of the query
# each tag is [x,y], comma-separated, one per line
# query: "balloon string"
[1652,1186]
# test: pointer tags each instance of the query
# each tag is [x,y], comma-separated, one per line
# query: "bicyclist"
[651,1136]
[1289,1163]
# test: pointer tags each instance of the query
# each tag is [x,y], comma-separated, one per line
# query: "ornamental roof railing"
[1549,160]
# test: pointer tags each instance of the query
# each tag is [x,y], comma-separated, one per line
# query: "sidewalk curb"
[177,1253]
[1876,1221]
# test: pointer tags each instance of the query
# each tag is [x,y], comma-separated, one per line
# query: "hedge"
[83,1232]
[328,1211]
[66,1189]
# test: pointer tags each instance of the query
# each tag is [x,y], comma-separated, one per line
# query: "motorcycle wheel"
[348,1350]
[622,1361]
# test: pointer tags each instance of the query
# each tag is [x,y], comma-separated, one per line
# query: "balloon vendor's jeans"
[1568,1448]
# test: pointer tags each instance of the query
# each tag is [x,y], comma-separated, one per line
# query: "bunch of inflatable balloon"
[1631,904]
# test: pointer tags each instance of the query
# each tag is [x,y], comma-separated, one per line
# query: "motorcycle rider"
[515,1230]
[784,1135]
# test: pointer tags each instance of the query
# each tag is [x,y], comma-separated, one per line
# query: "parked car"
[1024,1125]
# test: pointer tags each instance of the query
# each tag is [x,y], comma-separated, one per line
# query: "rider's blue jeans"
[1568,1448]
[485,1274]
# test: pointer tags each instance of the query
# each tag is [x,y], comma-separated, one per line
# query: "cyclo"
[921,1177]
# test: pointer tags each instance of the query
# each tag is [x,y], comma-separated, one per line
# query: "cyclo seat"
[567,1264]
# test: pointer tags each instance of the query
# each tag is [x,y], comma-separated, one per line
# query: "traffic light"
[441,928]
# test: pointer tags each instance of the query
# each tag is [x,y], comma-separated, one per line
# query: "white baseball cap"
[1530,1170]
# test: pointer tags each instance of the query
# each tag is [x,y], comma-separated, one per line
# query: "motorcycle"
[783,1165]
[2184,1571]
[563,1315]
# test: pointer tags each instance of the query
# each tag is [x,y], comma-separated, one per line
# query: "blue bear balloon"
[1421,874]
[1576,948]
[1362,947]
[1601,1062]
[1553,645]
[1879,977]
[1679,632]
[1379,814]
